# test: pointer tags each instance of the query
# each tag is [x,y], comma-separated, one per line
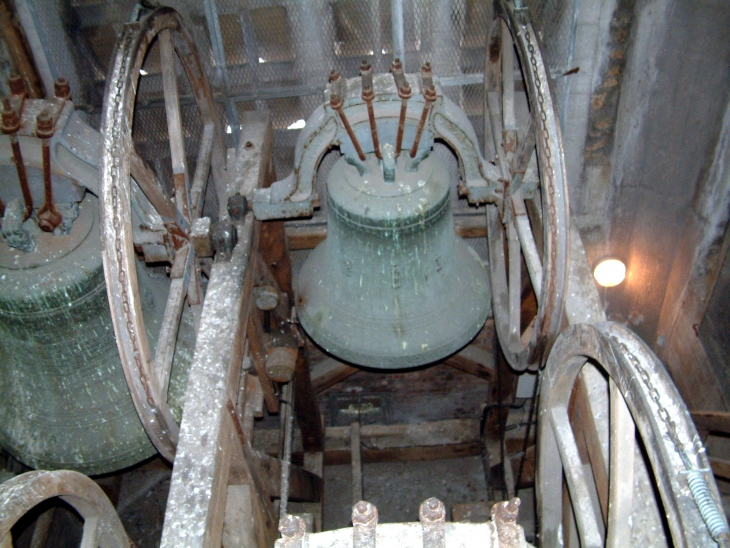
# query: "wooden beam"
[306,407]
[356,459]
[712,421]
[328,373]
[475,361]
[198,489]
[720,467]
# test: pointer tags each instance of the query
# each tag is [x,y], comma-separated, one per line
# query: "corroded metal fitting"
[405,92]
[504,515]
[396,65]
[334,75]
[16,84]
[368,94]
[44,125]
[61,88]
[335,101]
[432,510]
[365,66]
[292,527]
[364,514]
[430,93]
[11,122]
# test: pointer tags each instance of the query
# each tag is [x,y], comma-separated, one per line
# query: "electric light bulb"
[609,272]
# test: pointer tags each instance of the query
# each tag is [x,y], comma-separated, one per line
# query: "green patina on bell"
[64,401]
[392,286]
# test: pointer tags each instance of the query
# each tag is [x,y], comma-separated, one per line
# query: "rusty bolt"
[44,125]
[426,67]
[237,206]
[506,512]
[334,75]
[368,94]
[364,66]
[364,513]
[292,527]
[430,93]
[432,510]
[405,91]
[335,101]
[396,65]
[11,122]
[16,84]
[61,88]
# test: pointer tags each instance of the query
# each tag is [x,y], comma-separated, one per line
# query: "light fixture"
[609,272]
[299,124]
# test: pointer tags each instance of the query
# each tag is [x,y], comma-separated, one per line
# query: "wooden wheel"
[643,403]
[533,216]
[167,216]
[22,493]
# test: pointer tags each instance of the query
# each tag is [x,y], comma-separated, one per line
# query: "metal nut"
[364,513]
[292,527]
[224,238]
[237,206]
[432,510]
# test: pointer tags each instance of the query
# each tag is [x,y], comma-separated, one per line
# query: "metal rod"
[10,127]
[357,492]
[396,18]
[48,215]
[288,405]
[429,94]
[404,92]
[336,104]
[368,94]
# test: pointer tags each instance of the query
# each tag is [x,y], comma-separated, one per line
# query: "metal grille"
[277,54]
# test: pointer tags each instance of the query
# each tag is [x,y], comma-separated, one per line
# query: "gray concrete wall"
[671,107]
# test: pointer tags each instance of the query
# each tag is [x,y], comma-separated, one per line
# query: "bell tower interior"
[331,273]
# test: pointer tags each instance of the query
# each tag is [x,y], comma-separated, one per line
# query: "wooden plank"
[239,529]
[328,373]
[475,361]
[152,188]
[712,421]
[198,490]
[405,454]
[720,467]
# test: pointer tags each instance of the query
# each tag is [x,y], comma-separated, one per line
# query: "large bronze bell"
[392,286]
[64,402]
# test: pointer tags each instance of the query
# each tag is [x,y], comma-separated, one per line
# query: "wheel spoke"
[577,485]
[529,247]
[515,280]
[179,277]
[90,538]
[152,188]
[202,169]
[174,124]
[621,472]
[525,152]
[509,121]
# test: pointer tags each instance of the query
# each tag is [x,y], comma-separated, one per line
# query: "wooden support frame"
[215,459]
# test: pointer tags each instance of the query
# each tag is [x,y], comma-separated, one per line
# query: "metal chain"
[713,518]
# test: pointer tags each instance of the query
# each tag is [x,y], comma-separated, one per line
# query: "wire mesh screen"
[277,54]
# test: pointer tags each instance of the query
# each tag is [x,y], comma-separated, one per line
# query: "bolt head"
[432,510]
[292,527]
[364,513]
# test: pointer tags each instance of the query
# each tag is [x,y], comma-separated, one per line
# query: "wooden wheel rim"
[148,392]
[639,379]
[551,286]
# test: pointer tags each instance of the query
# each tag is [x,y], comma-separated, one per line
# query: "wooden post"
[357,494]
